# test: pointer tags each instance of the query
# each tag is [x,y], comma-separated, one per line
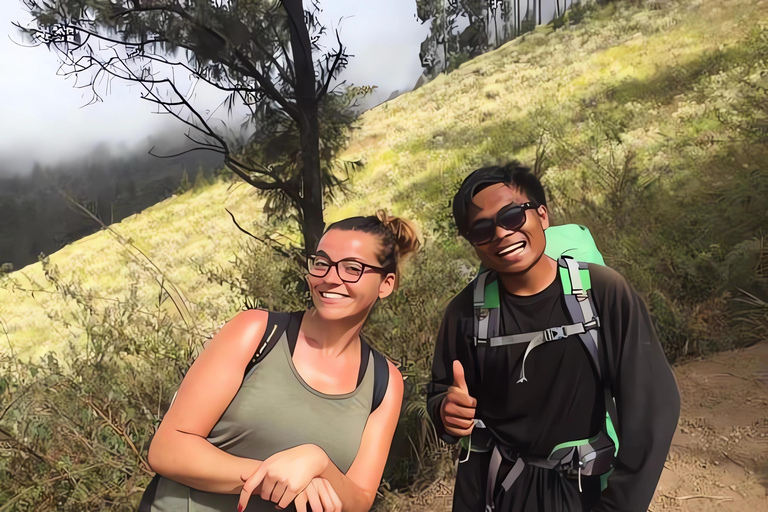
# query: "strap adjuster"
[592,324]
[554,333]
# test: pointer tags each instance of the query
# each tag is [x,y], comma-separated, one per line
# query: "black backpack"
[277,323]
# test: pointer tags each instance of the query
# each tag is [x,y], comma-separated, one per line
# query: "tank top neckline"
[292,333]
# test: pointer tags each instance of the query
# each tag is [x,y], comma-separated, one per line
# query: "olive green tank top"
[275,410]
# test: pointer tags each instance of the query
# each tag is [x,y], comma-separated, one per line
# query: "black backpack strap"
[149,495]
[380,378]
[276,324]
[365,354]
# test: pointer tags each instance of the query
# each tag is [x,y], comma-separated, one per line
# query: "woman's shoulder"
[245,330]
[250,320]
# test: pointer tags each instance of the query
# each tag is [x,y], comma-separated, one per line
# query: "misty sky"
[45,119]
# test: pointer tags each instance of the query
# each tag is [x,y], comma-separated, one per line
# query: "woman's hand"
[320,496]
[285,474]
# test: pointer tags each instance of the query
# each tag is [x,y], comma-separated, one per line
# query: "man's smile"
[515,248]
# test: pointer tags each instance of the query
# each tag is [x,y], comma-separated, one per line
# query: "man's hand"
[458,408]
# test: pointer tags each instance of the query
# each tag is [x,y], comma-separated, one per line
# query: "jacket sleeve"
[647,398]
[450,345]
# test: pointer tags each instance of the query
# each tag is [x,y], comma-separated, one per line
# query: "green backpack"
[572,246]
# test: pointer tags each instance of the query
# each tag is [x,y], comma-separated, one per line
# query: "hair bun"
[407,239]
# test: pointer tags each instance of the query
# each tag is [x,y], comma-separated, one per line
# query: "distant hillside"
[35,217]
[650,125]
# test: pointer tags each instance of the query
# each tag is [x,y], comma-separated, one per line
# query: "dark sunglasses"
[511,217]
[350,271]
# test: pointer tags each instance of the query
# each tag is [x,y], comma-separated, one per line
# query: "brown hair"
[400,237]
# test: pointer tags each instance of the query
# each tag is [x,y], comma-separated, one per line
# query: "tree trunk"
[312,189]
[540,15]
[311,193]
[515,6]
[446,59]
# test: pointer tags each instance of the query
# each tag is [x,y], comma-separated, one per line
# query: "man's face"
[510,251]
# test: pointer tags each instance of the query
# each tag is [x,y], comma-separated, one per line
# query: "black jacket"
[562,399]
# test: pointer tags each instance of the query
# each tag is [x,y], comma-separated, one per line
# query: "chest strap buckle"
[554,333]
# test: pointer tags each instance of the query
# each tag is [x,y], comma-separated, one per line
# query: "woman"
[298,431]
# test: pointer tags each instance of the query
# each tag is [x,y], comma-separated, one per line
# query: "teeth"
[329,295]
[511,249]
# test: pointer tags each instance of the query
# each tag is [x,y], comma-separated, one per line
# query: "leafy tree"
[266,55]
[490,23]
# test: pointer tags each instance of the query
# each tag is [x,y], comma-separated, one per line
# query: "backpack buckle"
[592,324]
[554,333]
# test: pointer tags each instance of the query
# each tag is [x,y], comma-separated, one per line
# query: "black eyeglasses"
[511,217]
[349,270]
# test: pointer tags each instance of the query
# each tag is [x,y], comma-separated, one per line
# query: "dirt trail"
[719,455]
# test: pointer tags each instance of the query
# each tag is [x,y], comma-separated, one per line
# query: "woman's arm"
[357,488]
[179,449]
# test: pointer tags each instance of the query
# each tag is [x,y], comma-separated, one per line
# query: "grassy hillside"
[174,234]
[626,101]
[650,125]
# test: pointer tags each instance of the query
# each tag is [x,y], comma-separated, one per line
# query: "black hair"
[513,174]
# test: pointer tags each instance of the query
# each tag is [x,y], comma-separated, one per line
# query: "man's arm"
[450,346]
[647,398]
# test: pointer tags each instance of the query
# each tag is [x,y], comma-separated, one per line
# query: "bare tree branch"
[332,69]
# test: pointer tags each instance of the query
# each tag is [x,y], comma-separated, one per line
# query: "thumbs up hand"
[458,408]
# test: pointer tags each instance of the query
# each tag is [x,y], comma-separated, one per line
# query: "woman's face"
[335,298]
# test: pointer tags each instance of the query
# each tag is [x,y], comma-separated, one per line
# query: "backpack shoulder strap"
[578,299]
[276,324]
[576,283]
[485,317]
[380,378]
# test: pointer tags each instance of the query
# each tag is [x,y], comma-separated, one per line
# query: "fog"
[46,120]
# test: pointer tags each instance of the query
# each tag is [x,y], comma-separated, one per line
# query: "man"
[525,401]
